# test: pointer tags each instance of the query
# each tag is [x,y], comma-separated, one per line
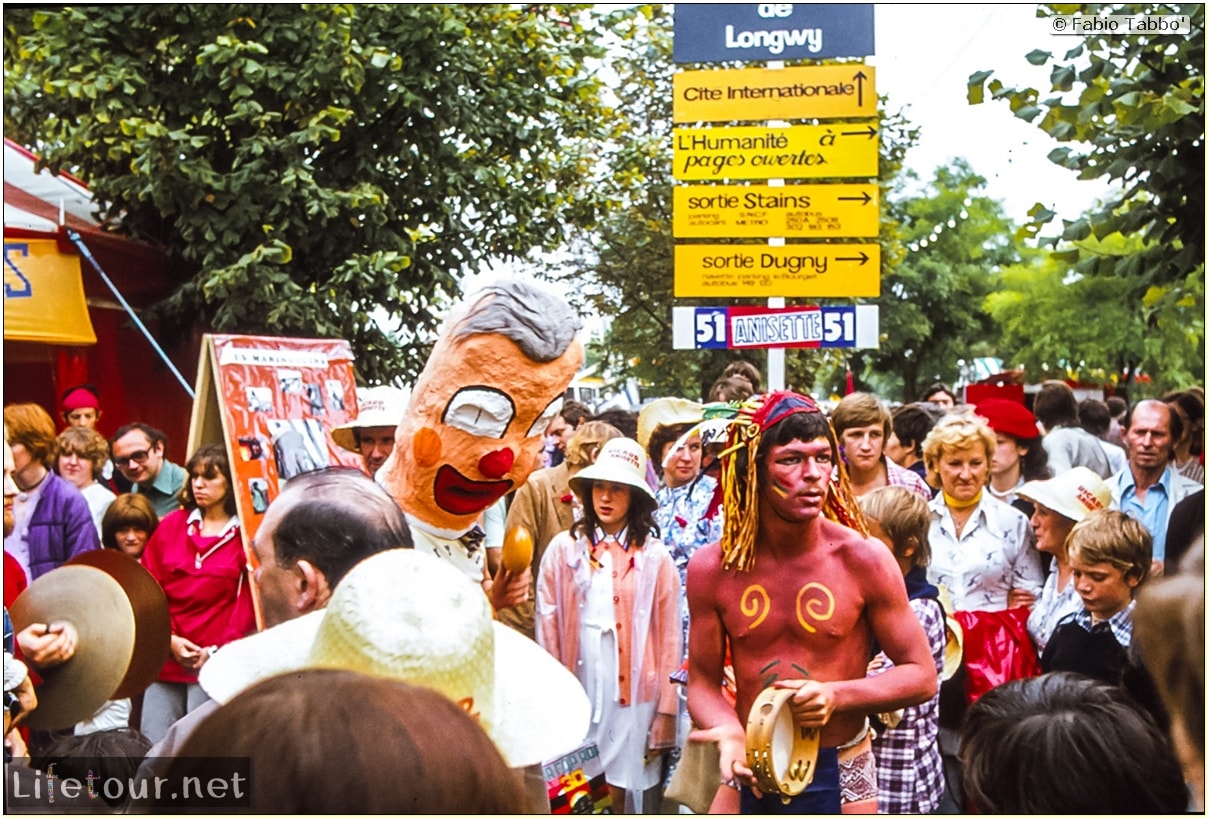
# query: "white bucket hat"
[376,407]
[1074,494]
[621,460]
[405,615]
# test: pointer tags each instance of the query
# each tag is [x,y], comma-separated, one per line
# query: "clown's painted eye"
[480,411]
[543,420]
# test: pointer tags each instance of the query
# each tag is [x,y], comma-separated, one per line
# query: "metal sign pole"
[78,242]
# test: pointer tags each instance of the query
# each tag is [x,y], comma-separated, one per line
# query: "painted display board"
[575,783]
[273,402]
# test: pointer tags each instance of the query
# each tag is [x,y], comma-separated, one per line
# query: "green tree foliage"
[931,307]
[1056,322]
[319,166]
[622,269]
[1129,109]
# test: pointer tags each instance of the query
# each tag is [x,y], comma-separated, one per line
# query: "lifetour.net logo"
[78,785]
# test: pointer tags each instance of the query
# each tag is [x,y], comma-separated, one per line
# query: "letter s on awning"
[44,294]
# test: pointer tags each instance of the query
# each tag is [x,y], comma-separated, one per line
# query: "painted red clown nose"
[496,465]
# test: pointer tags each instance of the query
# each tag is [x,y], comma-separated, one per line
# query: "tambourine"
[780,753]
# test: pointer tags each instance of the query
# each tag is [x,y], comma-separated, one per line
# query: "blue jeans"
[822,796]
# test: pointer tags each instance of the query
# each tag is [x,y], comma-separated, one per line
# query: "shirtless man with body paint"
[805,615]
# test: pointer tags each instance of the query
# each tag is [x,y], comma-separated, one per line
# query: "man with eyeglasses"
[138,453]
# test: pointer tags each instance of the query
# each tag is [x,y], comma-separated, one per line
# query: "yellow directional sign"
[836,211]
[835,150]
[791,271]
[800,92]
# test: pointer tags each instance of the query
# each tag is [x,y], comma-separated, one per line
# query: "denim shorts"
[822,795]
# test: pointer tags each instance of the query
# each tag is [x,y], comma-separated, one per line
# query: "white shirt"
[448,547]
[1051,606]
[992,557]
[98,498]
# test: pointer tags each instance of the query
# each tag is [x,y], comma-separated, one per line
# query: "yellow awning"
[44,294]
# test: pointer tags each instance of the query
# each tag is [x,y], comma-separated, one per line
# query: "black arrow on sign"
[869,132]
[864,198]
[860,88]
[862,259]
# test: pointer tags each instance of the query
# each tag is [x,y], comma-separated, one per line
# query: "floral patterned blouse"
[684,527]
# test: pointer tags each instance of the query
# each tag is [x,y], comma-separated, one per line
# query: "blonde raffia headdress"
[749,421]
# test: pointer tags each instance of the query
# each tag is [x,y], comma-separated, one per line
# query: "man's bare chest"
[812,607]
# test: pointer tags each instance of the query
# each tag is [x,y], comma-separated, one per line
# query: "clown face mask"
[475,424]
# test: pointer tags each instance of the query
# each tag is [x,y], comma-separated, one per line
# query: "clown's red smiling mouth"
[458,495]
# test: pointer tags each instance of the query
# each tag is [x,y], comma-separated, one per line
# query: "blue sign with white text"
[737,328]
[728,32]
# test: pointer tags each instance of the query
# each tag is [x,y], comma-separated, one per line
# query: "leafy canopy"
[320,170]
[931,307]
[1130,109]
[1061,323]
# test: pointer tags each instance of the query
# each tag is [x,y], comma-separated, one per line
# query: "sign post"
[762,211]
[842,155]
[830,150]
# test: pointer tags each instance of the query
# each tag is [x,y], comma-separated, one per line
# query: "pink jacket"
[648,611]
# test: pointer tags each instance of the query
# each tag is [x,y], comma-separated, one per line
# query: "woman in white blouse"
[981,549]
[980,545]
[1058,504]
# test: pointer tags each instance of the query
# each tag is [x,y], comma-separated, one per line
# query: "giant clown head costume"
[478,412]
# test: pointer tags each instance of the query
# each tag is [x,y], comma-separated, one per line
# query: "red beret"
[1008,417]
[80,398]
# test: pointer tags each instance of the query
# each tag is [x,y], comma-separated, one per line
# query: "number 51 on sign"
[704,328]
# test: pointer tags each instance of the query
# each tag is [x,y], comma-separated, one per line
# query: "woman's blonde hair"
[84,443]
[585,443]
[957,430]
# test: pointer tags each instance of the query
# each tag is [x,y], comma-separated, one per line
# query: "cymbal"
[94,603]
[152,624]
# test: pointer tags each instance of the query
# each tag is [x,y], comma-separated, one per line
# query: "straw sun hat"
[666,412]
[405,615]
[376,407]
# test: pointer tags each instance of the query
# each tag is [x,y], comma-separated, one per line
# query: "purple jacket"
[61,527]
